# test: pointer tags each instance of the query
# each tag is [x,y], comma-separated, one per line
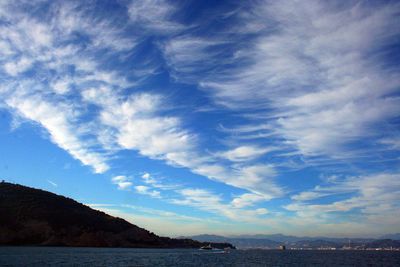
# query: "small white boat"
[208,247]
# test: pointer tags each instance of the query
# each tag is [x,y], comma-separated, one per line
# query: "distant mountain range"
[290,238]
[33,217]
[276,240]
[391,236]
[238,241]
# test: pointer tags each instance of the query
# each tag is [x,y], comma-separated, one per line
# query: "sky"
[218,117]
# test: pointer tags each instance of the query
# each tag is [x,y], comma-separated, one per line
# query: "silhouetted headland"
[34,217]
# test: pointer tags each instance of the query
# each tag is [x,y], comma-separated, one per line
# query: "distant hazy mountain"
[273,237]
[276,240]
[207,238]
[35,217]
[289,238]
[391,236]
[238,242]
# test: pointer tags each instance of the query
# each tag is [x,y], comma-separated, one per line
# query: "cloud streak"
[122,182]
[375,196]
[311,73]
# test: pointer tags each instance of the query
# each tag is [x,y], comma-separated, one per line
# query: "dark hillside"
[34,217]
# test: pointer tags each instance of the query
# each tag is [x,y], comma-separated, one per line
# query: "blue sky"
[189,117]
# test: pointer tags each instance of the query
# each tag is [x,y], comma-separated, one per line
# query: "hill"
[33,217]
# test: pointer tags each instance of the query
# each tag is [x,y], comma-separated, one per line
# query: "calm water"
[55,256]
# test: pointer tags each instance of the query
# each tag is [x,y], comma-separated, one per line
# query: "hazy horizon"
[217,117]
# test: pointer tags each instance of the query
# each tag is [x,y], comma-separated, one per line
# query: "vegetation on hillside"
[35,217]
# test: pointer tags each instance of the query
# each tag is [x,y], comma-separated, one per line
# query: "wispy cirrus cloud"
[392,143]
[157,183]
[210,202]
[309,72]
[123,182]
[244,153]
[102,118]
[188,56]
[155,16]
[52,183]
[146,190]
[206,200]
[38,63]
[308,195]
[58,119]
[117,121]
[375,196]
[246,200]
[50,46]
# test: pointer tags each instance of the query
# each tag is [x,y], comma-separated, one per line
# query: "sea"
[72,256]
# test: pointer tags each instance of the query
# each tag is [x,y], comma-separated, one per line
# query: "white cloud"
[347,99]
[262,211]
[243,153]
[153,137]
[42,45]
[154,15]
[392,143]
[147,178]
[146,190]
[309,71]
[376,196]
[124,185]
[308,195]
[58,119]
[164,213]
[210,202]
[14,68]
[259,179]
[61,87]
[48,47]
[73,17]
[122,182]
[150,180]
[137,125]
[201,196]
[204,199]
[52,183]
[188,56]
[246,200]
[116,120]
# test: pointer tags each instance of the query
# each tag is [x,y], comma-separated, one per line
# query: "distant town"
[394,246]
[284,242]
[343,248]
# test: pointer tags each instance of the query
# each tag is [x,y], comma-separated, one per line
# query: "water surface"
[61,256]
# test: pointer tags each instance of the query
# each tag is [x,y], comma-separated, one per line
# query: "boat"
[208,247]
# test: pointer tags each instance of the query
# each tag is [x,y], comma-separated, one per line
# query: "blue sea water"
[61,256]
